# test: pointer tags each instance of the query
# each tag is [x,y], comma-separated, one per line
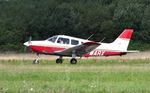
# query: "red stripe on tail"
[126,34]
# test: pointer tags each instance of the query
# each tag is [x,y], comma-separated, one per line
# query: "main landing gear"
[59,60]
[72,61]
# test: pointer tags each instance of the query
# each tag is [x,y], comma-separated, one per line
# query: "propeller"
[30,38]
[29,42]
[25,48]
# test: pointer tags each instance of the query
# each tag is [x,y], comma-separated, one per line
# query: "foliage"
[20,19]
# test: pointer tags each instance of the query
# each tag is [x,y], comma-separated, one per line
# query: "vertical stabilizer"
[122,42]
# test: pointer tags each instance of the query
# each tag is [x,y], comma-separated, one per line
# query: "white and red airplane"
[62,45]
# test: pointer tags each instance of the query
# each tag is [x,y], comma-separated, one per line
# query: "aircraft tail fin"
[122,42]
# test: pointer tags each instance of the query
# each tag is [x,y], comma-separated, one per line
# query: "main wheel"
[73,61]
[36,61]
[59,61]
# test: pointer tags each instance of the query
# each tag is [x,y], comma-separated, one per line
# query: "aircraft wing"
[79,50]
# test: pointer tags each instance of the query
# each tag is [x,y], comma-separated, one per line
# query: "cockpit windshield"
[52,39]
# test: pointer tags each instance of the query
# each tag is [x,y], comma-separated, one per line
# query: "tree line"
[41,19]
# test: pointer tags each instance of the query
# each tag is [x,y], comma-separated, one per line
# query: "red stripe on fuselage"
[45,49]
[103,53]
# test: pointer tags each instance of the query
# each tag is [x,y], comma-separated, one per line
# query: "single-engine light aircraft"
[62,45]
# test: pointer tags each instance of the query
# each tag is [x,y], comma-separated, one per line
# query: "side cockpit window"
[74,42]
[52,39]
[63,40]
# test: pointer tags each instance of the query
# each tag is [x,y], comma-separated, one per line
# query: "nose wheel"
[36,61]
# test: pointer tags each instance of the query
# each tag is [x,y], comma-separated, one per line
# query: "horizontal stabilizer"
[133,51]
[130,51]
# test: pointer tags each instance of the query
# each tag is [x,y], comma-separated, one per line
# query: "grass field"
[88,76]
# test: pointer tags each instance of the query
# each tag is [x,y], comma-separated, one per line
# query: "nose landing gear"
[36,61]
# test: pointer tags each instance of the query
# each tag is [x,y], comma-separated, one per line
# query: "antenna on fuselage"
[89,37]
[102,39]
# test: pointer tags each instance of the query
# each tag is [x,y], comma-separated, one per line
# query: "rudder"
[122,42]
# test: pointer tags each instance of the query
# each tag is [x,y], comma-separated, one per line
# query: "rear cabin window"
[74,42]
[63,40]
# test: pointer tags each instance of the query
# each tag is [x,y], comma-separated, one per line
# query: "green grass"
[88,76]
[83,62]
